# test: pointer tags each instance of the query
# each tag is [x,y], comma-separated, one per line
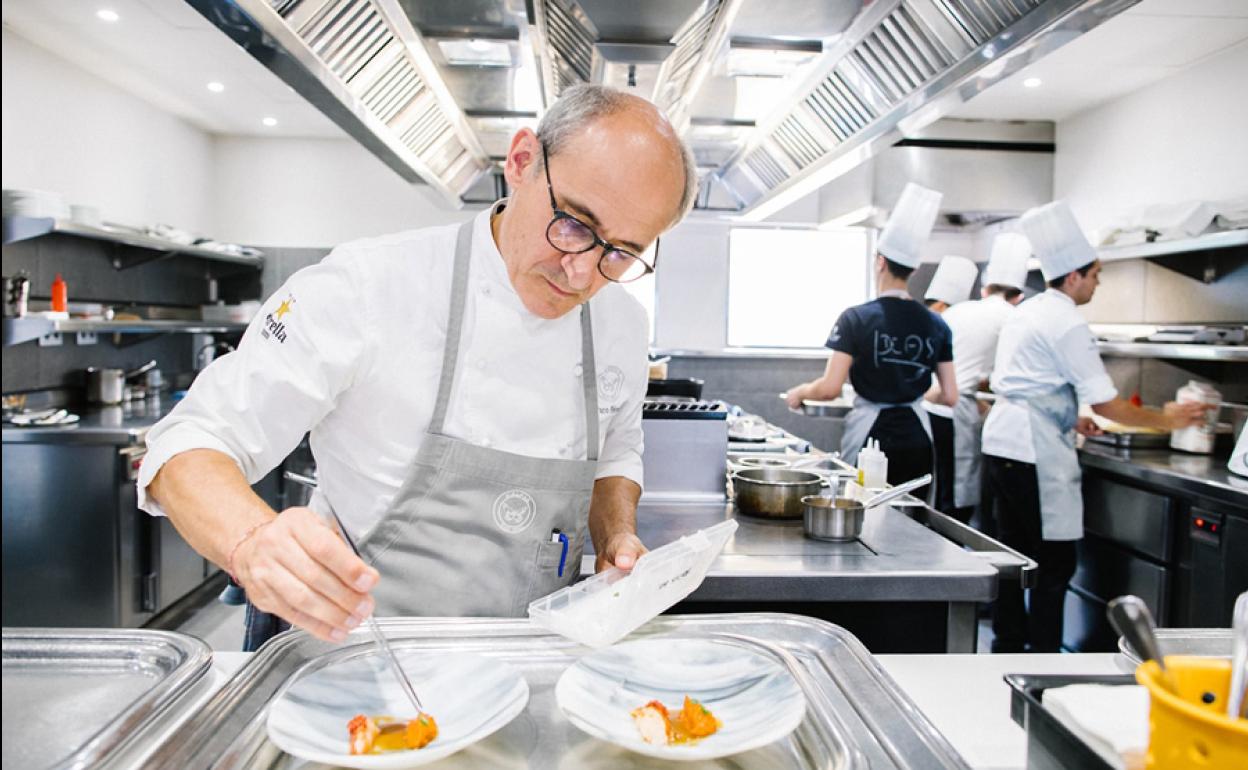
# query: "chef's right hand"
[1181,415]
[296,567]
[795,397]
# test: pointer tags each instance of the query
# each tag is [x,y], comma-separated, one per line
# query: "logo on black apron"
[610,381]
[514,511]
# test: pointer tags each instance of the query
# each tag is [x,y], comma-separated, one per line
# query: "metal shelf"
[19,228]
[19,330]
[1175,350]
[1224,240]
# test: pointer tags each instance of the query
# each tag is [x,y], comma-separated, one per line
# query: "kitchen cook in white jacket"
[976,325]
[474,414]
[1047,363]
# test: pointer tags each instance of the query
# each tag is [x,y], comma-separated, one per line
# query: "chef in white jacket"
[891,348]
[472,421]
[975,326]
[1047,364]
[951,284]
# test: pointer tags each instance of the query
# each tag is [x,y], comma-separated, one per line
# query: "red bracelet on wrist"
[229,559]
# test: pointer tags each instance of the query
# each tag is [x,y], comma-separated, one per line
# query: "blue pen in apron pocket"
[556,536]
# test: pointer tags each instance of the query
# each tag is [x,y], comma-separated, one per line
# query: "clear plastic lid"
[605,608]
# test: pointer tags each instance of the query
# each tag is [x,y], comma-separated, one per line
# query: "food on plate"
[657,726]
[380,735]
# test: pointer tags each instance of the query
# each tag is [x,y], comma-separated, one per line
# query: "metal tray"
[86,697]
[1132,440]
[1051,745]
[856,716]
[836,409]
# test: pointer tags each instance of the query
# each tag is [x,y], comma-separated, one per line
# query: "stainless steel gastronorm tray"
[76,698]
[1132,440]
[856,716]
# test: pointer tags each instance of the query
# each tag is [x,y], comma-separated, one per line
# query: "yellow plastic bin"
[1191,729]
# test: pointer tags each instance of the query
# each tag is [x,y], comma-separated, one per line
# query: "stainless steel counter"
[897,559]
[1182,472]
[123,425]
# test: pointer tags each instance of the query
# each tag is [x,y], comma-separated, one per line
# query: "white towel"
[1113,719]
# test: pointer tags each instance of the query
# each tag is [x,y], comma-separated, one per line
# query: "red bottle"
[60,295]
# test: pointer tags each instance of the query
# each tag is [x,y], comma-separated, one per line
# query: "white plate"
[751,693]
[470,697]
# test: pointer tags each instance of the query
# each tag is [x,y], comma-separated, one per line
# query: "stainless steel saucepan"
[840,519]
[773,493]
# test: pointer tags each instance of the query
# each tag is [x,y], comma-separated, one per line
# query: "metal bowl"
[773,493]
[836,519]
[765,462]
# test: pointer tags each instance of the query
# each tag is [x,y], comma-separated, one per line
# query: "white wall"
[67,131]
[1179,139]
[314,192]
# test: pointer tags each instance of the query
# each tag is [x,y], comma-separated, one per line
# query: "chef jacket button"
[480,363]
[485,441]
[485,289]
[578,370]
[563,451]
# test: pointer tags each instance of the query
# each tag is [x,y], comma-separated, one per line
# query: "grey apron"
[860,419]
[967,459]
[1052,419]
[475,531]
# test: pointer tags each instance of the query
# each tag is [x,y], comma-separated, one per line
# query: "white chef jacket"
[355,356]
[976,325]
[1045,344]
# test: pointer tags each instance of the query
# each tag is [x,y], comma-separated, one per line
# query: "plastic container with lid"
[605,608]
[1200,437]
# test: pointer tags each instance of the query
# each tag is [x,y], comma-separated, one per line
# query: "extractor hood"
[986,170]
[901,66]
[775,97]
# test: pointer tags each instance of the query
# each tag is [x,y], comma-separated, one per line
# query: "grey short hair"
[582,104]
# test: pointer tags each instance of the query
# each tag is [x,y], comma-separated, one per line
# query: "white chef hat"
[1057,239]
[1008,264]
[909,225]
[953,280]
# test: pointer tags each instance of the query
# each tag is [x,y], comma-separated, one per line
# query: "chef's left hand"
[622,550]
[1087,426]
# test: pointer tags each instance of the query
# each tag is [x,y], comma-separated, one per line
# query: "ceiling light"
[216,87]
[478,53]
[1032,83]
[106,14]
[269,122]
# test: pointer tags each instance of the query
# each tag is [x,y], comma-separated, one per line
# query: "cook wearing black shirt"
[889,348]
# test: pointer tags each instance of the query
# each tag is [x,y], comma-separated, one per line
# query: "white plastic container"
[605,608]
[1198,438]
[872,466]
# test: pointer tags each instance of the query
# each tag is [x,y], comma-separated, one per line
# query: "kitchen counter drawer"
[1138,519]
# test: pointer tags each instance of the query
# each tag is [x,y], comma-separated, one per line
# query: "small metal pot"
[105,385]
[773,493]
[837,519]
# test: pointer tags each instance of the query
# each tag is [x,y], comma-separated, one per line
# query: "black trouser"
[906,444]
[942,443]
[1036,627]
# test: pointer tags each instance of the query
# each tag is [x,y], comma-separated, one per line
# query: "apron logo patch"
[273,324]
[514,511]
[610,381]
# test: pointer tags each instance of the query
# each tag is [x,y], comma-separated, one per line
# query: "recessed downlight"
[1032,83]
[216,87]
[107,14]
[270,122]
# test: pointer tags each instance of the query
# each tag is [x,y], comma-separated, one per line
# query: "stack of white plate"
[34,203]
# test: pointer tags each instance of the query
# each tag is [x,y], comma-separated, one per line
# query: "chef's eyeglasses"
[572,236]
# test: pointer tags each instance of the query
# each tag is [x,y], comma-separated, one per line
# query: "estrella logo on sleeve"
[274,326]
